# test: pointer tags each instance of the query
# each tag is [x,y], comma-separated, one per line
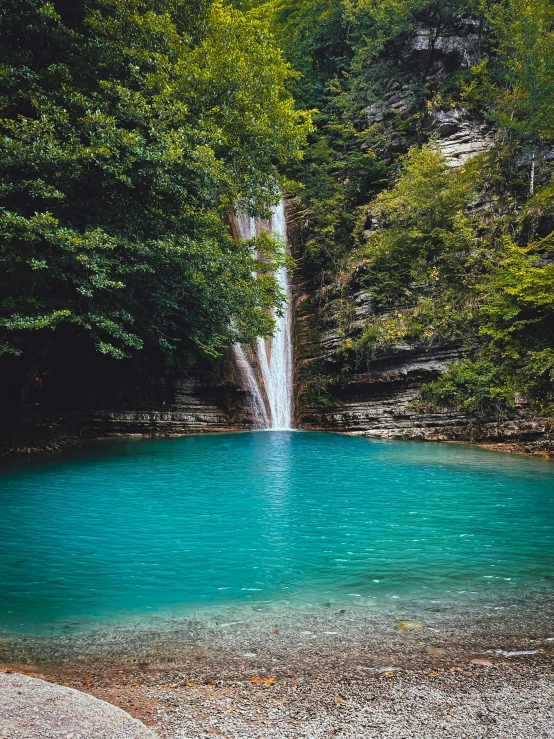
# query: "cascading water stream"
[274,355]
[249,378]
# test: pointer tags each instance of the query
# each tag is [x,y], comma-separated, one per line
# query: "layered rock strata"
[383,400]
[194,405]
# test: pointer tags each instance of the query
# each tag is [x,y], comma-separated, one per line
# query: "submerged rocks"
[410,625]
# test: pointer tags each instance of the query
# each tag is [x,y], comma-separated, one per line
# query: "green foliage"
[421,235]
[334,176]
[314,36]
[128,130]
[418,257]
[443,255]
[482,388]
[515,350]
[518,77]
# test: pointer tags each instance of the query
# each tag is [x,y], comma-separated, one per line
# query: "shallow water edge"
[245,640]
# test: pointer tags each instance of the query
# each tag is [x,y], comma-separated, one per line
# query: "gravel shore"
[349,673]
[501,701]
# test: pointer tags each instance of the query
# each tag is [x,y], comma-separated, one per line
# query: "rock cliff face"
[460,137]
[193,404]
[196,407]
[379,400]
[382,400]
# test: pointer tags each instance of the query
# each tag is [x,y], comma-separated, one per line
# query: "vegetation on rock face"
[442,251]
[128,131]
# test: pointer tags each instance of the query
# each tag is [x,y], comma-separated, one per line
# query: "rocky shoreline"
[329,672]
[529,437]
[468,702]
[532,437]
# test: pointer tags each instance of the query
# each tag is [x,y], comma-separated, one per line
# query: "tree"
[420,235]
[128,130]
[523,67]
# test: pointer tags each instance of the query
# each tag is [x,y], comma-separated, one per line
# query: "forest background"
[130,129]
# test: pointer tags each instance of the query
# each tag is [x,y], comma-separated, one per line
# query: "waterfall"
[274,355]
[249,379]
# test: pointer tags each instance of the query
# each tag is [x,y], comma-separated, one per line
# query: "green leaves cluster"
[514,360]
[129,129]
[516,79]
[419,234]
[417,260]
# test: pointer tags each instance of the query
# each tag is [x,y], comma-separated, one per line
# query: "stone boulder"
[36,709]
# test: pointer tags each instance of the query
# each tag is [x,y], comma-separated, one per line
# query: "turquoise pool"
[135,528]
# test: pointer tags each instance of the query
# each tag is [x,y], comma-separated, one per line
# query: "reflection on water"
[171,526]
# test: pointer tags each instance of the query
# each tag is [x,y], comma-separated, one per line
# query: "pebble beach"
[319,673]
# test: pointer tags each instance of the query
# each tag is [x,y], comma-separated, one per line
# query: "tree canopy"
[129,129]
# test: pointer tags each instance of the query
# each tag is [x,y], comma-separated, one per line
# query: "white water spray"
[275,354]
[249,380]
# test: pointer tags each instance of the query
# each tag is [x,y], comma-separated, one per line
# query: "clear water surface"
[169,526]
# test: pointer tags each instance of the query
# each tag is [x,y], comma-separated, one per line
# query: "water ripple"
[165,525]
